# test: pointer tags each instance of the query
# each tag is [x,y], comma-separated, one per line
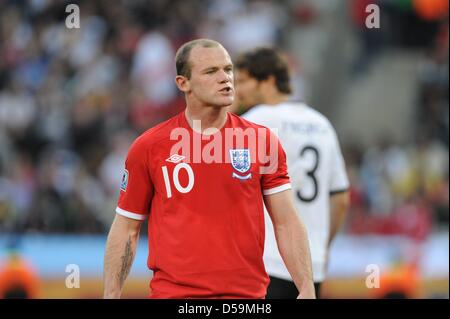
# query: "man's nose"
[224,77]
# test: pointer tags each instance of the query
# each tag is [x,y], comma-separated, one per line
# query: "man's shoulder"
[287,111]
[314,114]
[244,123]
[258,111]
[302,112]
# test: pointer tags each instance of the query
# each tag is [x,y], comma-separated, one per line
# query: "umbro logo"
[175,158]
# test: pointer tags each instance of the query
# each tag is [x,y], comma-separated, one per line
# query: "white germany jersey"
[316,168]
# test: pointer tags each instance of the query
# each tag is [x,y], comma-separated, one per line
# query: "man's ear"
[182,83]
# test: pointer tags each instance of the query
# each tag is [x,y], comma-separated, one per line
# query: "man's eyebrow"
[215,68]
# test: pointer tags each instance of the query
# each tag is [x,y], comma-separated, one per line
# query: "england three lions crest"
[240,160]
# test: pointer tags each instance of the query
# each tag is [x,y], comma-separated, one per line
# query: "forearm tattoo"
[127,259]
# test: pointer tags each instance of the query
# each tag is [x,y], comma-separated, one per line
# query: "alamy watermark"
[373,279]
[73,19]
[73,277]
[373,18]
[251,145]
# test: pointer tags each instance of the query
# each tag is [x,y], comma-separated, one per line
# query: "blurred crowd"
[73,100]
[404,189]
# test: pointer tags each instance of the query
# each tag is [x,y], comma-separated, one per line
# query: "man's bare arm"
[120,251]
[339,205]
[292,240]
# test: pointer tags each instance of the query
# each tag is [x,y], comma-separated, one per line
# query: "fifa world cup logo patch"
[240,160]
[123,185]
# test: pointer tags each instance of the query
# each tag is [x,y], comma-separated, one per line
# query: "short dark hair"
[182,57]
[261,63]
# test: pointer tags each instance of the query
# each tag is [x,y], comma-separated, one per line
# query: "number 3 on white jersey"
[176,180]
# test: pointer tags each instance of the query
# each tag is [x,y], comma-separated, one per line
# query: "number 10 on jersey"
[176,179]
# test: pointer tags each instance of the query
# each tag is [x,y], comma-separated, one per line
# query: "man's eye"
[210,72]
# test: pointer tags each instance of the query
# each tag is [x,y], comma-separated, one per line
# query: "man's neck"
[209,117]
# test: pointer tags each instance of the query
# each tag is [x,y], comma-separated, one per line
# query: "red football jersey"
[203,197]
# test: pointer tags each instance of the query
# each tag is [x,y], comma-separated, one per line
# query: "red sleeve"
[274,174]
[136,189]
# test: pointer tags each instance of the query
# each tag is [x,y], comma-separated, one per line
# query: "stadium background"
[72,100]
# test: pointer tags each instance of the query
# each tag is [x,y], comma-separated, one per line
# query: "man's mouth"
[226,89]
